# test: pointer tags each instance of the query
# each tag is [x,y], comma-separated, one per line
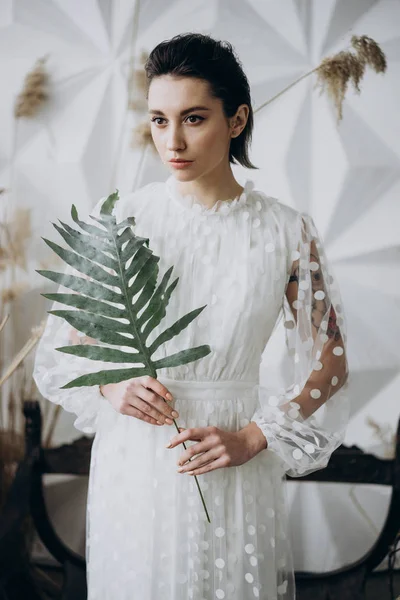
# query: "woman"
[251,260]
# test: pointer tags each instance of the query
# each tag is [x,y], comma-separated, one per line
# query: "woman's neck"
[210,188]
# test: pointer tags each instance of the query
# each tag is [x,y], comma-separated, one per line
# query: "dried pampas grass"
[334,75]
[137,83]
[141,135]
[386,435]
[12,292]
[137,88]
[369,52]
[34,92]
[335,72]
[17,234]
[137,91]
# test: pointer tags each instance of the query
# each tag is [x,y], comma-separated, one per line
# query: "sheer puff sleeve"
[53,369]
[305,422]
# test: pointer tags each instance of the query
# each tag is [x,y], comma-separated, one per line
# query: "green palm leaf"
[120,281]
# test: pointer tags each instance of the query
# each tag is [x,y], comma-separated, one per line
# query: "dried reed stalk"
[36,334]
[335,72]
[4,321]
[15,234]
[34,92]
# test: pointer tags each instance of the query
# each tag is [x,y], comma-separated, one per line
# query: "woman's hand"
[217,448]
[142,398]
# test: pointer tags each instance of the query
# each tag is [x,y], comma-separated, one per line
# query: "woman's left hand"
[218,448]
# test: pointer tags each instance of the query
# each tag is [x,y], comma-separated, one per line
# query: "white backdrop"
[347,177]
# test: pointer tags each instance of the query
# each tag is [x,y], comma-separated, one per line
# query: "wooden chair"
[347,465]
[352,465]
[26,500]
[16,576]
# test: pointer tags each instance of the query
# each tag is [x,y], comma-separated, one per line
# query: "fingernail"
[175,414]
[180,469]
[190,472]
[168,396]
[169,445]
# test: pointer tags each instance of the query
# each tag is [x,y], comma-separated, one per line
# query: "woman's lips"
[180,164]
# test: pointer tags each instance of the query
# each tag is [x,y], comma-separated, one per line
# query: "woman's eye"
[157,119]
[195,117]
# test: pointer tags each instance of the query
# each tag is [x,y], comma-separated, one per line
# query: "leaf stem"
[195,477]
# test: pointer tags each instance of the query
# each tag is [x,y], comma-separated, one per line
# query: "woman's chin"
[183,175]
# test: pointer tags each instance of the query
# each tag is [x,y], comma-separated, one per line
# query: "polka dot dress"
[252,262]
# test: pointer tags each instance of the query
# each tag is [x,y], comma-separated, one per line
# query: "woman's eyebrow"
[153,111]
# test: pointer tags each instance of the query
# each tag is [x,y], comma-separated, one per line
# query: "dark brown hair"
[199,55]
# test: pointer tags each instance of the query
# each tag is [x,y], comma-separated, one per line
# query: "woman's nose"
[175,140]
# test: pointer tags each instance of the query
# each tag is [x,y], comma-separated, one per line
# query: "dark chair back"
[347,465]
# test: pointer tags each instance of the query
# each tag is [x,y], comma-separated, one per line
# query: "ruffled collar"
[221,207]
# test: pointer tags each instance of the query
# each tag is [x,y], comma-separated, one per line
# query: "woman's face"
[188,123]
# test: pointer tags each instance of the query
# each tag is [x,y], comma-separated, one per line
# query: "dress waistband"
[208,390]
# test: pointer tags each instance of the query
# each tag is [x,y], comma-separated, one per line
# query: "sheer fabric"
[252,262]
[315,333]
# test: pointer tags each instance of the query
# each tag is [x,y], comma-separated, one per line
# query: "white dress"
[147,533]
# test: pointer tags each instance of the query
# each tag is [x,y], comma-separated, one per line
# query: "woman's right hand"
[142,398]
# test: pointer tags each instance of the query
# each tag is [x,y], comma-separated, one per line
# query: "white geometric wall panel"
[347,176]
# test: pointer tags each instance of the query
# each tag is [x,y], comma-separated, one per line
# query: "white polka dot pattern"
[235,260]
[315,340]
